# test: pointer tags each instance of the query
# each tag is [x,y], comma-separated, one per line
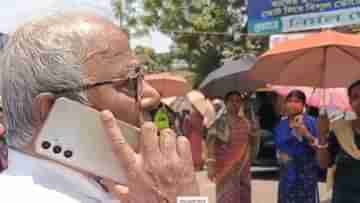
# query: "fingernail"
[167,131]
[107,115]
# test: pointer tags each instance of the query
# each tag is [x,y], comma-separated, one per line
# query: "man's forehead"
[60,31]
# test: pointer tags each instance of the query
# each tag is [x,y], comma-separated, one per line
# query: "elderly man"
[58,56]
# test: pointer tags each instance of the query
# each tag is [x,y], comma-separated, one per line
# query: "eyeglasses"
[134,82]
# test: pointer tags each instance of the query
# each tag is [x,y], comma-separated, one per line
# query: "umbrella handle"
[323,110]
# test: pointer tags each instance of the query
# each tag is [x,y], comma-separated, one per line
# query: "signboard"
[277,16]
[281,38]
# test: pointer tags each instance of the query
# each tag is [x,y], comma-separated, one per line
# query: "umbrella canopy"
[195,99]
[326,60]
[232,76]
[168,100]
[203,105]
[335,97]
[168,85]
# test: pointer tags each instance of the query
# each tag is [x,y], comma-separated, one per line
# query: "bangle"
[210,160]
[324,146]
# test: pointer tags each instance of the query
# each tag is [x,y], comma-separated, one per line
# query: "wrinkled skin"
[164,170]
[104,63]
[158,173]
[159,170]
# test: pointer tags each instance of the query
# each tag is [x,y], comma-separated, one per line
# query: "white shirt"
[29,179]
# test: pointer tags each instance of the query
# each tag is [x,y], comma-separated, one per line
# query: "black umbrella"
[232,76]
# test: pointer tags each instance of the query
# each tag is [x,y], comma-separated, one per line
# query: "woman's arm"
[211,158]
[323,152]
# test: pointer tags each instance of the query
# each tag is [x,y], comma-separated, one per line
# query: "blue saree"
[298,164]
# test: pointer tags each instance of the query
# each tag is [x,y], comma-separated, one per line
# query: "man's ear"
[42,106]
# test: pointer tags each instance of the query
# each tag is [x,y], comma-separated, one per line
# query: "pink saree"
[233,164]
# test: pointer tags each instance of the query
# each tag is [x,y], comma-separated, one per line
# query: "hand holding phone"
[73,135]
[297,121]
[150,170]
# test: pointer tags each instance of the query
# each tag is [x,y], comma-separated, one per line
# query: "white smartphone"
[73,135]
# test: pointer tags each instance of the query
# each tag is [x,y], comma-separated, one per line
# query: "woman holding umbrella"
[296,138]
[341,151]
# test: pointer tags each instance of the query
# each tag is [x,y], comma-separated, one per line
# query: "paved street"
[265,191]
[264,187]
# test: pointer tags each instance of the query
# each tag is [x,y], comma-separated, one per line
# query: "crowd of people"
[58,56]
[307,145]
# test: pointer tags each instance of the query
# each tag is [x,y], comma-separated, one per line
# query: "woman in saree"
[339,150]
[229,153]
[296,138]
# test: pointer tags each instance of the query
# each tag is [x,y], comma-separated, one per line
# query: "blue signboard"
[276,16]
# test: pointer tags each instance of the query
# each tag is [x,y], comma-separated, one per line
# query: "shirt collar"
[53,176]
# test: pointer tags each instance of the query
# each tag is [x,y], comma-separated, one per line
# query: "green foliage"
[202,30]
[154,62]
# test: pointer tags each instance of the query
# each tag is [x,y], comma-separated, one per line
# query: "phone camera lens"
[57,149]
[68,154]
[46,145]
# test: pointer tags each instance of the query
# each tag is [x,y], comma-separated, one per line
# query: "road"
[264,186]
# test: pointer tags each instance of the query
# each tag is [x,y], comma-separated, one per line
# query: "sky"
[16,12]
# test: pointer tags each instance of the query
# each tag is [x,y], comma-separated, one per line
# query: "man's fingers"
[149,140]
[118,191]
[184,149]
[151,97]
[121,148]
[168,143]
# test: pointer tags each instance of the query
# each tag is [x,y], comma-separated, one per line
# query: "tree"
[154,62]
[204,31]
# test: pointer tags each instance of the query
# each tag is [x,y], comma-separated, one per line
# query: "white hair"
[44,55]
